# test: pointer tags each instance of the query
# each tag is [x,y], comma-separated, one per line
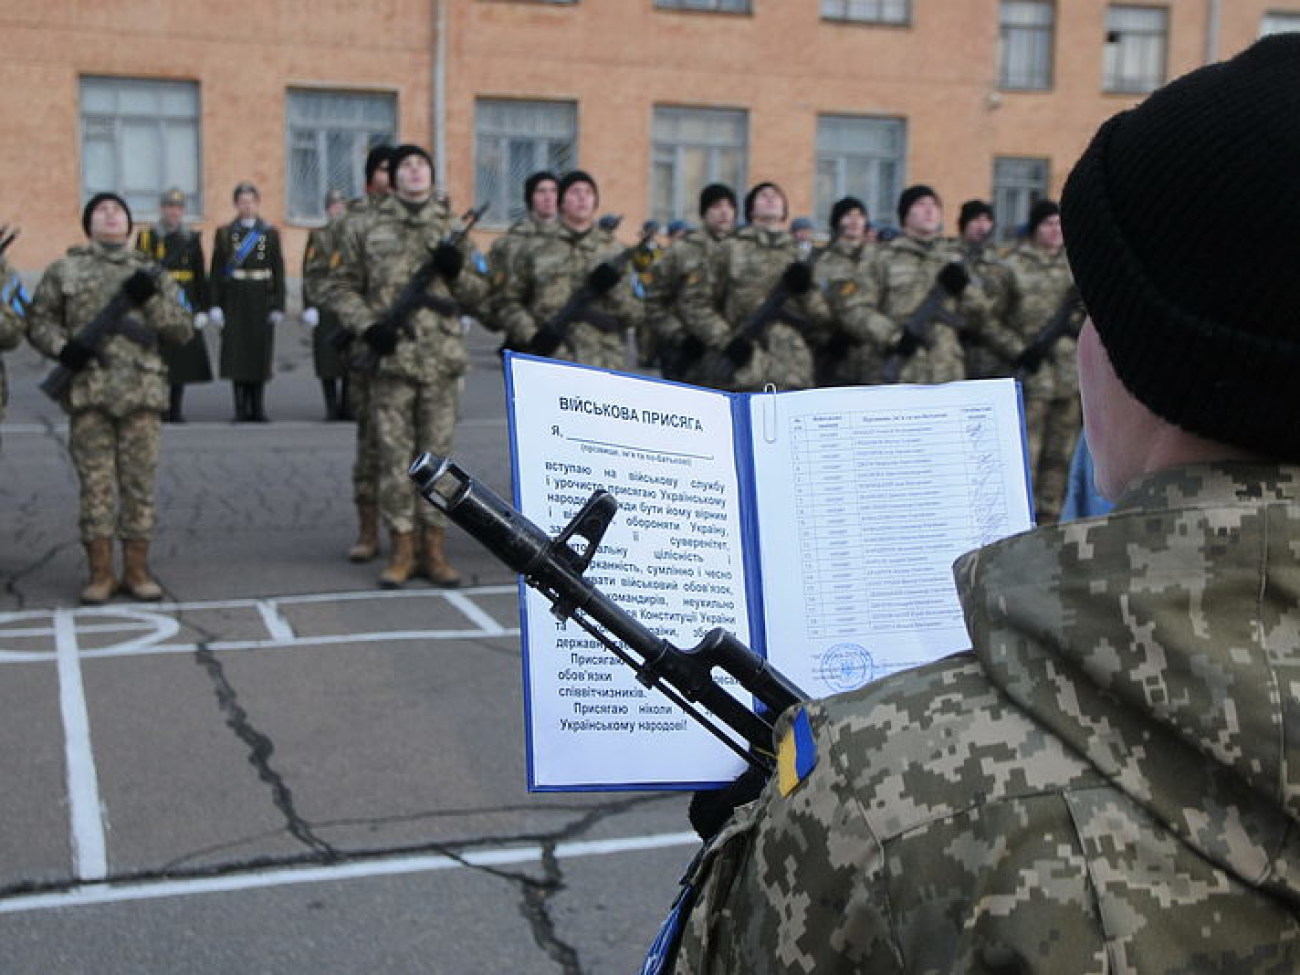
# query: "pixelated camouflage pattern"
[76,288]
[115,455]
[408,418]
[991,342]
[501,257]
[1108,784]
[317,257]
[13,327]
[851,351]
[664,330]
[365,465]
[542,277]
[380,247]
[718,298]
[899,278]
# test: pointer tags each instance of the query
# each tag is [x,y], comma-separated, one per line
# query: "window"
[139,138]
[513,140]
[860,157]
[1017,184]
[870,11]
[1279,24]
[726,6]
[1025,40]
[1134,58]
[330,133]
[693,147]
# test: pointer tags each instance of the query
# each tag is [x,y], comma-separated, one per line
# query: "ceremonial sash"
[245,248]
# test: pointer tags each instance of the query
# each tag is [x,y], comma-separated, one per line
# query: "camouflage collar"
[1218,483]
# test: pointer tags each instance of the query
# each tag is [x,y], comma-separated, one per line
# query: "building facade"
[978,98]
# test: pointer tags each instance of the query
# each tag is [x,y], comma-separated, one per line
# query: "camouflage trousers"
[409,418]
[365,467]
[115,457]
[1053,425]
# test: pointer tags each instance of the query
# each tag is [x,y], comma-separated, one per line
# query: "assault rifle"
[917,328]
[112,319]
[7,237]
[555,569]
[1061,322]
[413,296]
[578,308]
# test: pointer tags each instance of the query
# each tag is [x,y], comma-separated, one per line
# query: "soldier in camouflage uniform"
[850,352]
[542,198]
[675,350]
[118,391]
[900,277]
[743,270]
[13,319]
[1106,783]
[330,361]
[1051,384]
[990,342]
[546,273]
[416,384]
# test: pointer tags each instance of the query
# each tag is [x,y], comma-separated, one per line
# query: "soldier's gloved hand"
[140,287]
[310,317]
[382,338]
[275,318]
[448,260]
[739,350]
[797,278]
[710,809]
[838,346]
[75,355]
[691,348]
[953,279]
[603,278]
[1029,360]
[907,345]
[200,321]
[217,316]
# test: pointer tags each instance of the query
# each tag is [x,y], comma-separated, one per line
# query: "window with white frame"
[514,139]
[1017,184]
[693,147]
[1279,23]
[722,6]
[868,11]
[862,157]
[1133,59]
[1025,44]
[329,135]
[139,138]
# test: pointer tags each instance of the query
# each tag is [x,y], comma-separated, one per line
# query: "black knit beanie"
[535,180]
[842,207]
[95,201]
[753,194]
[910,196]
[714,192]
[375,158]
[578,176]
[972,209]
[401,152]
[1040,211]
[1180,224]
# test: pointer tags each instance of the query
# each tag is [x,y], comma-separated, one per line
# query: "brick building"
[988,98]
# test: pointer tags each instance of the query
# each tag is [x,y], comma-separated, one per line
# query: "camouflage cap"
[173,197]
[335,196]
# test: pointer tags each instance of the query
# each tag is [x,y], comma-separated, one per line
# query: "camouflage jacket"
[13,325]
[990,341]
[1106,785]
[1040,284]
[320,253]
[127,377]
[664,284]
[898,280]
[851,352]
[719,297]
[502,256]
[380,247]
[545,274]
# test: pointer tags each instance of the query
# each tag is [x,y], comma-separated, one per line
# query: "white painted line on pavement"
[356,870]
[88,849]
[476,615]
[276,625]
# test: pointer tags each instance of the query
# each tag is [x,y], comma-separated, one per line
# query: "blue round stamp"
[846,666]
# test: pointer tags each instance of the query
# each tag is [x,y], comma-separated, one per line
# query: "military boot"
[367,544]
[102,584]
[136,580]
[402,562]
[435,566]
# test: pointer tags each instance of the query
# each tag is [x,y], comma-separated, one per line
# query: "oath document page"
[865,497]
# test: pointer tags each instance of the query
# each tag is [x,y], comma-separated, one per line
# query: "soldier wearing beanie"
[721,296]
[848,354]
[665,340]
[989,341]
[541,209]
[544,275]
[1102,783]
[118,389]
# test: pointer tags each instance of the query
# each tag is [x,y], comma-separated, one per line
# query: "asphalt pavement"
[281,768]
